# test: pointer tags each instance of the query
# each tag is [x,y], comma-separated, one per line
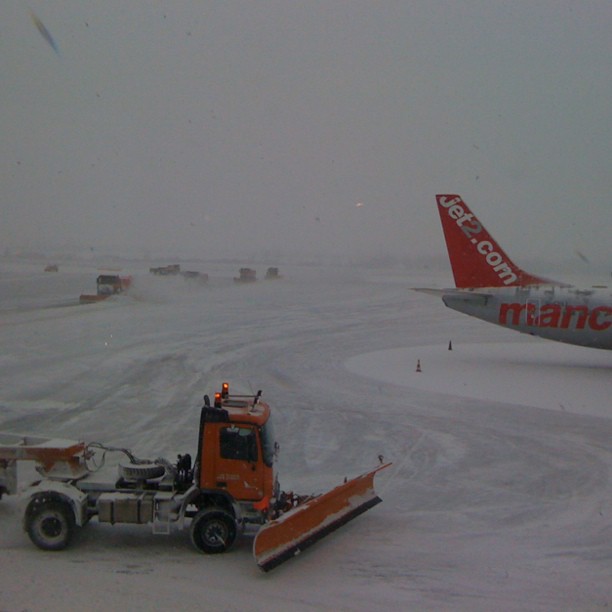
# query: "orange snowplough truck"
[231,484]
[106,285]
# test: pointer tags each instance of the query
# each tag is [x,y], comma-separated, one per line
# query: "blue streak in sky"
[44,32]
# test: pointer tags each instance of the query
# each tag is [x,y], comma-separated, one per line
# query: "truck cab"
[111,284]
[237,448]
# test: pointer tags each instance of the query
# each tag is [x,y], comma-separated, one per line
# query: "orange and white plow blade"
[304,525]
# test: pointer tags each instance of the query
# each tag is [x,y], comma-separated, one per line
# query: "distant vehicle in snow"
[491,287]
[272,274]
[106,285]
[247,275]
[166,270]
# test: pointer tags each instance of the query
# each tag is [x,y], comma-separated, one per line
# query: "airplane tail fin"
[476,258]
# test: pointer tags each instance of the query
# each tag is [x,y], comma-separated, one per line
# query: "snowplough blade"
[312,520]
[86,298]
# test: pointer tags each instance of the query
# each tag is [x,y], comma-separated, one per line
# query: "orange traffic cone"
[418,365]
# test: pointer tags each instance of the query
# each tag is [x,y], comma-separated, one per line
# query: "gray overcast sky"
[221,128]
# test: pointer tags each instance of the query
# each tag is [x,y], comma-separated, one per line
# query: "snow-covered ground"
[500,493]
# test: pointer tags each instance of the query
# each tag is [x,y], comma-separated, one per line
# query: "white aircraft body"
[490,286]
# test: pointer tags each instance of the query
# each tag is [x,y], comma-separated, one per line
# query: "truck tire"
[213,531]
[143,471]
[50,523]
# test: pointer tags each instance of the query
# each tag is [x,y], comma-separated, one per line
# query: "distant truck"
[272,274]
[107,285]
[247,275]
[166,270]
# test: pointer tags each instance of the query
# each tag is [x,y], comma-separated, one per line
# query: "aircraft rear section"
[572,316]
[491,287]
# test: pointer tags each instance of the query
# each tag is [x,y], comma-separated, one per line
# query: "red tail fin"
[476,259]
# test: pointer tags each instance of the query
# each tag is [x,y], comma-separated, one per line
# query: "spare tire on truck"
[142,471]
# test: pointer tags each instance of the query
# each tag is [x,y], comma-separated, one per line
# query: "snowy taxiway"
[500,493]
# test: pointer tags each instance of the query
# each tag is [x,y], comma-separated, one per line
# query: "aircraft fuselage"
[565,314]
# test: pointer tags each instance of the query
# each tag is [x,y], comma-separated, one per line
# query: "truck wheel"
[49,524]
[213,531]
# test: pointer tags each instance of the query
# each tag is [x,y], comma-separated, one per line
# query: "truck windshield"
[268,443]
